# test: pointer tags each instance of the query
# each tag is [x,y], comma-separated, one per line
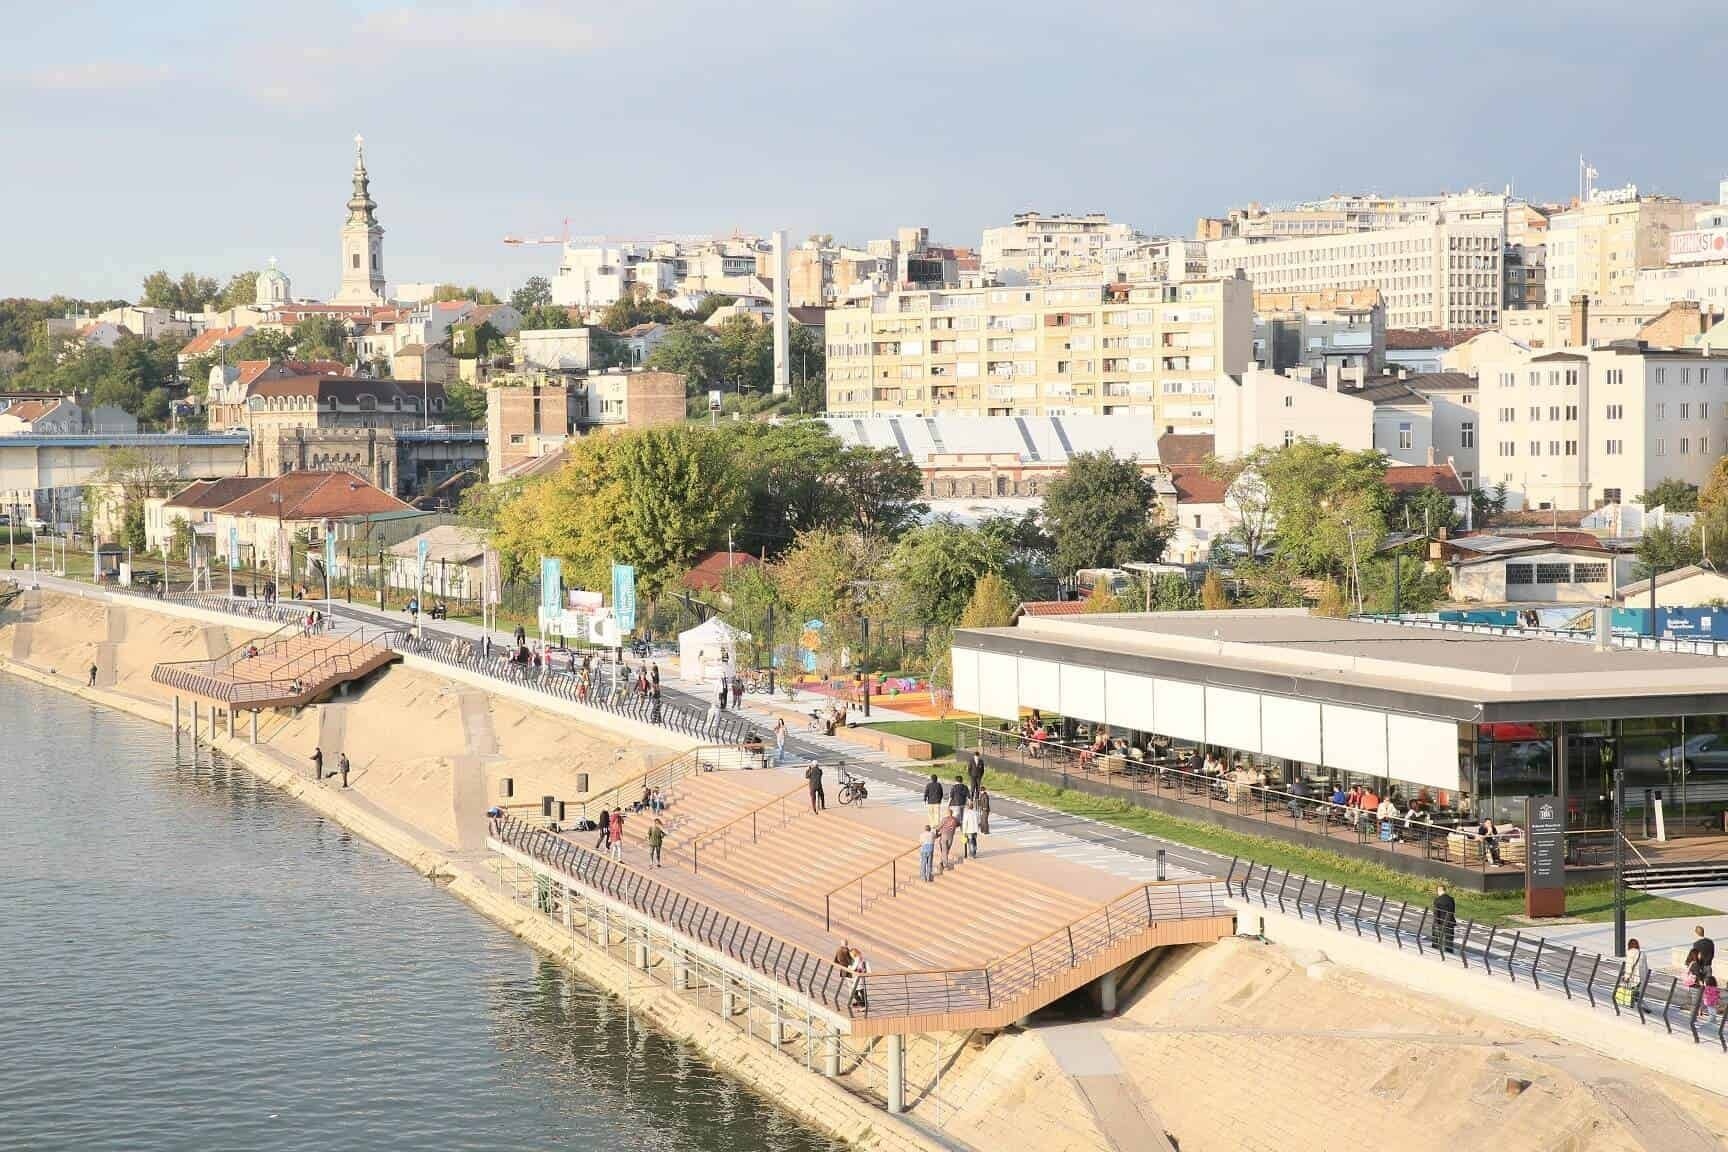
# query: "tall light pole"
[1619,862]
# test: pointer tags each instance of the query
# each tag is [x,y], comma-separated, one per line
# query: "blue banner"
[420,551]
[329,556]
[624,597]
[551,584]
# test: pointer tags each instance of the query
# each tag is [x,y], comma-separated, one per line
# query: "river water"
[191,961]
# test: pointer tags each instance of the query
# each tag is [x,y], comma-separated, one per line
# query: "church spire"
[361,204]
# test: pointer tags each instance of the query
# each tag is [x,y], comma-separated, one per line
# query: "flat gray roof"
[1289,651]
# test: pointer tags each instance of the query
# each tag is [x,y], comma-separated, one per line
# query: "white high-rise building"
[362,241]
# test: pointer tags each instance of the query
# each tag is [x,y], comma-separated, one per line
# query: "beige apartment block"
[1038,242]
[1597,248]
[1147,349]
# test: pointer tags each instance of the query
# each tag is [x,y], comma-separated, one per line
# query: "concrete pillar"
[782,337]
[681,973]
[728,1002]
[194,723]
[605,938]
[831,1056]
[254,725]
[1107,992]
[642,955]
[230,722]
[176,717]
[777,1030]
[896,1073]
[569,908]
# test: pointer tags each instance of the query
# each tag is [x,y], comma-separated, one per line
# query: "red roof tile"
[1051,608]
[315,496]
[1409,477]
[1416,339]
[1194,486]
[1176,449]
[709,571]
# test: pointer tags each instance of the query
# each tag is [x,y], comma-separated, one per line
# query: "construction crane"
[527,241]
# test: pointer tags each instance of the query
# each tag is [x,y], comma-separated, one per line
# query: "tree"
[792,481]
[261,345]
[1420,588]
[474,341]
[882,489]
[709,305]
[241,291]
[1426,510]
[1246,497]
[444,292]
[542,317]
[605,350]
[1213,598]
[638,308]
[1487,503]
[1171,592]
[807,365]
[1664,548]
[464,403]
[1332,601]
[1029,550]
[936,569]
[746,354]
[1101,601]
[750,598]
[822,577]
[320,338]
[536,292]
[1673,494]
[1329,505]
[1100,514]
[992,605]
[190,293]
[691,350]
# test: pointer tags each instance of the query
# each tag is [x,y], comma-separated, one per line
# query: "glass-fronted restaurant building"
[1471,722]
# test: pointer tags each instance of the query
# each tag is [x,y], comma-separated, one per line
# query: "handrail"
[761,951]
[342,654]
[680,767]
[893,866]
[725,830]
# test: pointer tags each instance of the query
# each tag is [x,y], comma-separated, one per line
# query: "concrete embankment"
[428,752]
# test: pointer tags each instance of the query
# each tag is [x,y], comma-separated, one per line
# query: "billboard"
[1698,246]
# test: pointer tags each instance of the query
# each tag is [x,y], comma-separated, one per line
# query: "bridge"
[31,463]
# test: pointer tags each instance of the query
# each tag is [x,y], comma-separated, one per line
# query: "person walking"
[779,741]
[342,766]
[92,675]
[615,835]
[737,691]
[723,693]
[975,771]
[860,971]
[1633,971]
[958,794]
[945,835]
[605,826]
[927,854]
[656,839]
[933,801]
[317,763]
[1445,919]
[818,800]
[981,801]
[521,636]
[969,830]
[1701,957]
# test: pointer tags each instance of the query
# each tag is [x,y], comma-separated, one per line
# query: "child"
[1712,997]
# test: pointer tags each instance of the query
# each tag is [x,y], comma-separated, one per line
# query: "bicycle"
[852,789]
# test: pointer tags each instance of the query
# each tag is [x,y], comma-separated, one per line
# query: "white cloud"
[96,76]
[534,27]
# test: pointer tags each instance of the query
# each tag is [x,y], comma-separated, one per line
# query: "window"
[1571,377]
[1520,574]
[1611,495]
[1467,434]
[1554,412]
[1535,412]
[1553,447]
[1685,411]
[1507,415]
[1612,448]
[1661,411]
[1615,376]
[1704,410]
[1289,437]
[1661,446]
[1508,448]
[1703,445]
[1406,437]
[1571,447]
[1506,379]
[356,259]
[1685,446]
[1571,411]
[1661,375]
[1289,401]
[1589,573]
[1535,447]
[1615,411]
[1553,572]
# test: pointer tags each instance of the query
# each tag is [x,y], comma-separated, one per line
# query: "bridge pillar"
[728,1001]
[1107,992]
[681,972]
[896,1073]
[230,722]
[569,908]
[194,723]
[605,937]
[831,1056]
[176,717]
[254,725]
[642,955]
[777,1029]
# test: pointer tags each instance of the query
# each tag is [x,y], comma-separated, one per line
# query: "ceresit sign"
[1698,245]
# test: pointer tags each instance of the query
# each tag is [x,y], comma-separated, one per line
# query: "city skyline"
[512,118]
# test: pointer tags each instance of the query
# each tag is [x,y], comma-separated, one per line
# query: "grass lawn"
[939,734]
[1592,902]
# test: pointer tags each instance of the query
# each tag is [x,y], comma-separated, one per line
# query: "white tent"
[709,650]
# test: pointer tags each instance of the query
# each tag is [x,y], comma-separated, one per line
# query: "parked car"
[1706,753]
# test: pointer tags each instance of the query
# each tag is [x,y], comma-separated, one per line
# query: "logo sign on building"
[624,596]
[1698,246]
[551,583]
[233,546]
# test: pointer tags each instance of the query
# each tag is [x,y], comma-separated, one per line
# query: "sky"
[213,136]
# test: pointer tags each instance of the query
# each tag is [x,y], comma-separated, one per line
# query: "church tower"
[362,241]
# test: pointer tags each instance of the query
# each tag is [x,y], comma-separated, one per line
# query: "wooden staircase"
[290,668]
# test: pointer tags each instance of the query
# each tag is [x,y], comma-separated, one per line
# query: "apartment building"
[1598,248]
[1697,263]
[1579,427]
[1040,243]
[1341,215]
[1314,330]
[528,424]
[1149,349]
[1446,273]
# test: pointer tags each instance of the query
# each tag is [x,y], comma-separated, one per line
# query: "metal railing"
[1245,795]
[1520,956]
[879,883]
[770,816]
[812,976]
[1638,642]
[257,608]
[1000,983]
[307,673]
[724,728]
[707,758]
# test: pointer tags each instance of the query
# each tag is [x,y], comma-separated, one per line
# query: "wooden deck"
[290,669]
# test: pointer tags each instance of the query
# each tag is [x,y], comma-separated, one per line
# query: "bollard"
[1160,863]
[1107,993]
[508,787]
[831,1056]
[896,1073]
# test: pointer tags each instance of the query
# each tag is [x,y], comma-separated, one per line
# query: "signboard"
[714,400]
[491,578]
[1544,856]
[585,601]
[624,597]
[233,546]
[551,583]
[420,550]
[1698,245]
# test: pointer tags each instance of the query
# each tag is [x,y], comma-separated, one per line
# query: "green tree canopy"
[445,292]
[190,293]
[935,567]
[1425,510]
[1665,548]
[1327,503]
[320,338]
[693,351]
[464,403]
[241,291]
[1673,494]
[992,604]
[629,311]
[536,292]
[709,305]
[1099,513]
[542,317]
[882,488]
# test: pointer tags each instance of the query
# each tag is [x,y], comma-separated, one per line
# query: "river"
[191,961]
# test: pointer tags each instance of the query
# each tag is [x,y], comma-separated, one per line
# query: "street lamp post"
[1619,862]
[864,663]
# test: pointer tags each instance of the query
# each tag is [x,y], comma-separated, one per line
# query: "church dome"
[273,286]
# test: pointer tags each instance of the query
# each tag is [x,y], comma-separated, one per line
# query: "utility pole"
[1619,862]
[864,663]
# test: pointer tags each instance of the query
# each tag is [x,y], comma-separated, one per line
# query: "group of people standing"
[964,808]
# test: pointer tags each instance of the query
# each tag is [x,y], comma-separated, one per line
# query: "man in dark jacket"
[933,801]
[1445,919]
[975,771]
[818,800]
[958,794]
